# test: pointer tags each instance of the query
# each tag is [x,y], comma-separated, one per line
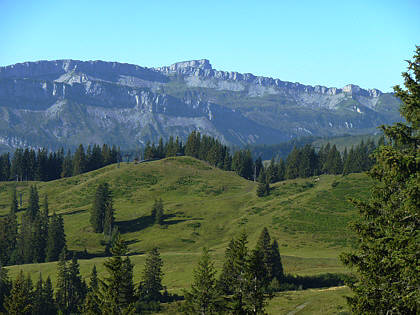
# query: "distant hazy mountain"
[67,102]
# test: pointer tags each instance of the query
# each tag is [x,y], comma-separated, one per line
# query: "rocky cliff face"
[66,102]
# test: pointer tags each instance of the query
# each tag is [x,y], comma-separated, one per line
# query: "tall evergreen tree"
[115,298]
[203,297]
[264,246]
[5,286]
[387,258]
[256,282]
[56,240]
[33,204]
[151,284]
[20,300]
[157,212]
[79,161]
[102,210]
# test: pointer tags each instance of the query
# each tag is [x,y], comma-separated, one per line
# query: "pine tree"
[56,240]
[5,286]
[79,161]
[38,300]
[255,294]
[91,304]
[387,259]
[264,246]
[114,298]
[20,300]
[62,290]
[67,167]
[232,278]
[48,298]
[102,213]
[76,287]
[151,284]
[33,205]
[203,297]
[263,188]
[292,164]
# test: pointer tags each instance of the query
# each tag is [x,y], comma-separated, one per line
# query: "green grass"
[205,206]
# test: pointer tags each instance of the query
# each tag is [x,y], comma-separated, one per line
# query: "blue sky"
[329,43]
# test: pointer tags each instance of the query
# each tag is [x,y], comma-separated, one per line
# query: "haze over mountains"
[67,102]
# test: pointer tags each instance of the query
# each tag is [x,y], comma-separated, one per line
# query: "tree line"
[40,237]
[29,164]
[243,284]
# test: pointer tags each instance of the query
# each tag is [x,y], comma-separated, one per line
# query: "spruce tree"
[387,257]
[264,246]
[263,188]
[33,205]
[102,211]
[151,284]
[5,286]
[91,303]
[76,287]
[48,298]
[233,273]
[62,289]
[20,300]
[114,298]
[256,283]
[56,240]
[79,161]
[203,297]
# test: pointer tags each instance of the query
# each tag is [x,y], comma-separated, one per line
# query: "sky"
[330,43]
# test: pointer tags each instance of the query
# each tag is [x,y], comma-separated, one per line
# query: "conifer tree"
[203,297]
[67,168]
[264,246]
[114,298]
[38,298]
[102,210]
[232,279]
[76,287]
[263,188]
[20,300]
[33,205]
[5,286]
[256,282]
[79,161]
[48,298]
[387,259]
[56,240]
[91,303]
[151,284]
[62,290]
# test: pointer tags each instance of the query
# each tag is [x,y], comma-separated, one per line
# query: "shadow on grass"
[144,222]
[74,212]
[135,225]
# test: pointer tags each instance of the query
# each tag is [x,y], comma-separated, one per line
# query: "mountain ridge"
[75,102]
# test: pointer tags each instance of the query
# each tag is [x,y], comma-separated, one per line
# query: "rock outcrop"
[66,102]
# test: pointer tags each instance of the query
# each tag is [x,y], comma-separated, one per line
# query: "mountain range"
[67,102]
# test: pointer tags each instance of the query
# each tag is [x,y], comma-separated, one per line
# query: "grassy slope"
[205,207]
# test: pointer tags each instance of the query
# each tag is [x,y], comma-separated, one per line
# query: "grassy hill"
[204,206]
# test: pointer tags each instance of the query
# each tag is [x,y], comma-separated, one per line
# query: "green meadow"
[205,206]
